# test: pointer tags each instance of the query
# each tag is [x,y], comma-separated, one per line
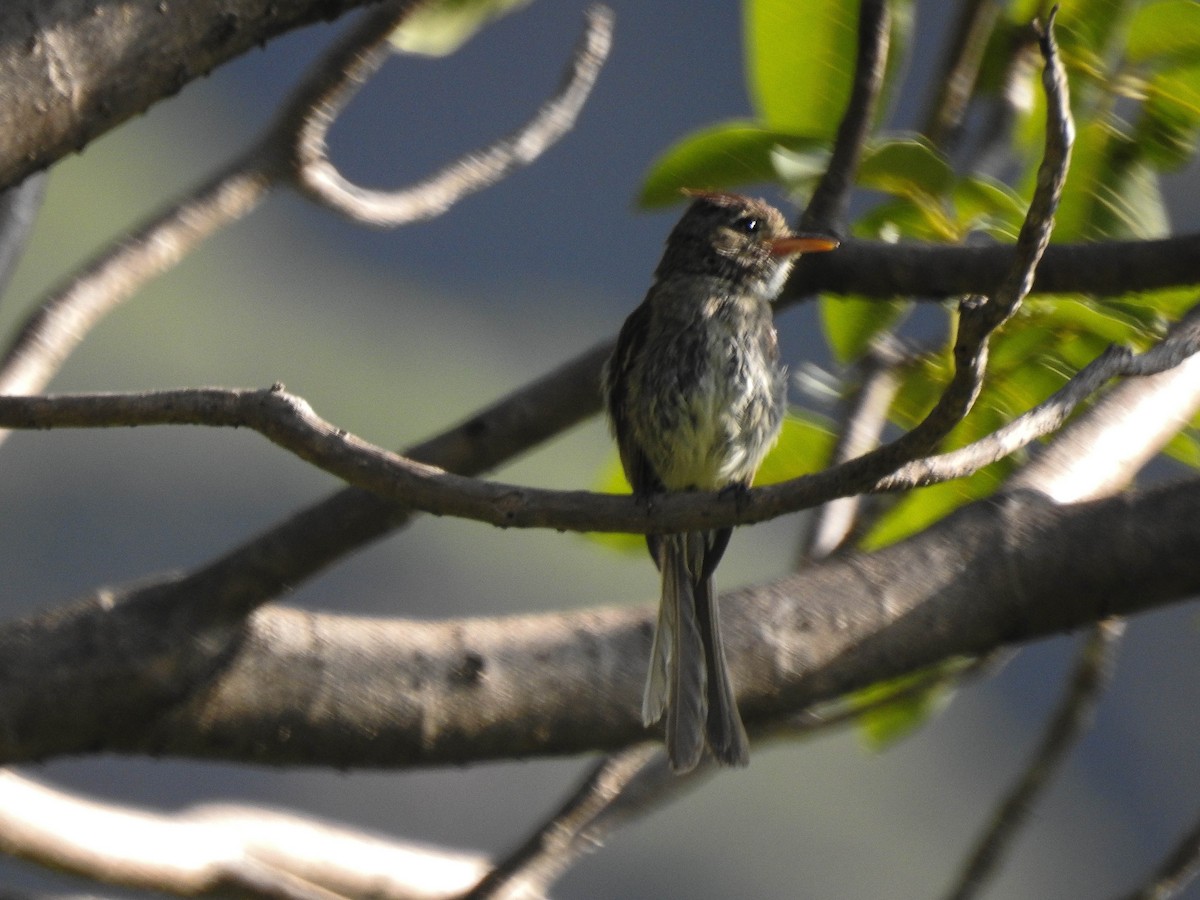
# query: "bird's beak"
[801,243]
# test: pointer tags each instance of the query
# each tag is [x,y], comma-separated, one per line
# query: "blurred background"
[396,335]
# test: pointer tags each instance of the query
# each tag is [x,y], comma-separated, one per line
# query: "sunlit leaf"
[1185,448]
[727,155]
[896,708]
[805,445]
[800,62]
[1110,191]
[919,509]
[902,217]
[906,167]
[1168,128]
[441,27]
[982,204]
[1165,29]
[850,323]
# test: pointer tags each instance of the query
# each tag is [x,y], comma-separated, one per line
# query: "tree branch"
[409,484]
[320,180]
[826,210]
[284,152]
[218,850]
[1072,718]
[72,70]
[131,674]
[879,270]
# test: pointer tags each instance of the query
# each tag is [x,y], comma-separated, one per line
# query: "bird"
[695,397]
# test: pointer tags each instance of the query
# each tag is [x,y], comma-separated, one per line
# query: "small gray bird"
[695,396]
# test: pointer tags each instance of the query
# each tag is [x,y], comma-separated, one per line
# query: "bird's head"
[743,239]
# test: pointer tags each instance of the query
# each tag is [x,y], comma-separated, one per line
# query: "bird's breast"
[712,395]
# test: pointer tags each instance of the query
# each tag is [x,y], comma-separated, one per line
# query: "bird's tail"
[688,680]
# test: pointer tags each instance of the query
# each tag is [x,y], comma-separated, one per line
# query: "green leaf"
[903,218]
[805,445]
[906,167]
[1110,191]
[1167,131]
[440,28]
[800,62]
[1108,324]
[919,509]
[850,323]
[1089,27]
[726,155]
[1184,448]
[895,708]
[982,204]
[1166,29]
[910,169]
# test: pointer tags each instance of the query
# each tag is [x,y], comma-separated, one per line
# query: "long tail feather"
[726,734]
[688,680]
[675,683]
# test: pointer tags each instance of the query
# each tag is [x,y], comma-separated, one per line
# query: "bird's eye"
[747,224]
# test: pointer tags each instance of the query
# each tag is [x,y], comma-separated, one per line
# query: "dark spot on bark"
[468,671]
[223,29]
[476,428]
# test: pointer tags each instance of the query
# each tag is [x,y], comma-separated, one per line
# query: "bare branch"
[291,423]
[933,272]
[320,180]
[63,319]
[593,810]
[1070,721]
[865,418]
[632,783]
[956,81]
[219,849]
[1100,452]
[826,209]
[1177,871]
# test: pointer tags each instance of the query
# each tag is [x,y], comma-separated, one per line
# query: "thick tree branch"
[71,70]
[936,271]
[136,676]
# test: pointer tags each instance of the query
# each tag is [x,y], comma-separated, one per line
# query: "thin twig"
[1176,872]
[956,80]
[632,783]
[1093,669]
[1181,343]
[63,318]
[576,827]
[317,177]
[290,422]
[865,417]
[827,207]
